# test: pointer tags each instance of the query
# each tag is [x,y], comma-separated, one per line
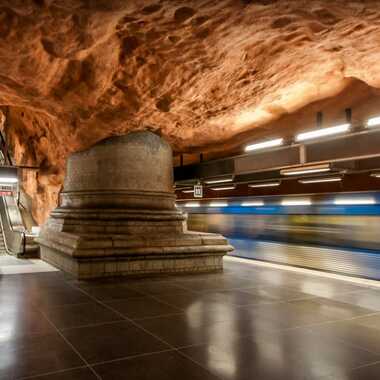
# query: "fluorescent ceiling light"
[223,188]
[323,132]
[319,180]
[188,191]
[220,180]
[373,122]
[265,184]
[296,202]
[306,170]
[264,144]
[355,201]
[192,204]
[218,204]
[376,175]
[8,180]
[252,203]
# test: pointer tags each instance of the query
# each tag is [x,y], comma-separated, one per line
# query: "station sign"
[5,193]
[198,191]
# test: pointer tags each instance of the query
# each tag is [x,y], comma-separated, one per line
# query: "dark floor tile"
[47,299]
[26,321]
[371,321]
[211,299]
[331,308]
[155,287]
[282,315]
[74,374]
[225,283]
[365,337]
[324,287]
[182,330]
[369,298]
[209,312]
[112,341]
[161,366]
[271,356]
[370,372]
[237,297]
[14,302]
[109,292]
[143,307]
[35,355]
[80,314]
[277,293]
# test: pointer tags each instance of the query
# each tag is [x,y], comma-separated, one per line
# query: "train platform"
[253,321]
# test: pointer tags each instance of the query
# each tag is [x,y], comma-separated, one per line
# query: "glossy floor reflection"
[250,322]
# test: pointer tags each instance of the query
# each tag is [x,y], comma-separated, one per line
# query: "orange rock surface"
[202,72]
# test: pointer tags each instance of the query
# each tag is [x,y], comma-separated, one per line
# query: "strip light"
[373,122]
[188,191]
[223,188]
[264,144]
[296,202]
[265,184]
[323,132]
[218,204]
[376,175]
[320,180]
[306,170]
[8,180]
[221,180]
[192,204]
[355,201]
[252,204]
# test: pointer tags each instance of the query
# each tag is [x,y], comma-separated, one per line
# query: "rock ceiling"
[200,72]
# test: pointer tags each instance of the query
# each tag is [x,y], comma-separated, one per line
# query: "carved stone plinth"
[117,215]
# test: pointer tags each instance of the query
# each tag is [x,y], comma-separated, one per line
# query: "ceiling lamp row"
[310,135]
[304,181]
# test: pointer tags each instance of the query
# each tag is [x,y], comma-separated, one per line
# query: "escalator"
[15,238]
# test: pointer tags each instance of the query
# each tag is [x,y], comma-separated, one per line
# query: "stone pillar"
[117,215]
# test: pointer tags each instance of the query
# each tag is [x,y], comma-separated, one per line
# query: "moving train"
[334,232]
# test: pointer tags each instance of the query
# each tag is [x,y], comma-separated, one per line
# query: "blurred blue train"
[334,232]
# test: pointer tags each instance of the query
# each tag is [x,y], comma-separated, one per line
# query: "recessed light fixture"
[264,144]
[320,180]
[296,202]
[218,180]
[188,191]
[221,188]
[252,204]
[376,175]
[265,184]
[218,204]
[8,180]
[355,201]
[306,169]
[192,204]
[323,132]
[373,122]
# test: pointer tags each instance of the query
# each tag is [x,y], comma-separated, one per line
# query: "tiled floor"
[250,322]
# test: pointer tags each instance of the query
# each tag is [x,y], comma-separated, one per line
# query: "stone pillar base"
[83,269]
[96,255]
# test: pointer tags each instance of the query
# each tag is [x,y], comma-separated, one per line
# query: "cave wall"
[202,73]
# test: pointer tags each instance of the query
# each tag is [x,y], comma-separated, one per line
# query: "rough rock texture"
[201,72]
